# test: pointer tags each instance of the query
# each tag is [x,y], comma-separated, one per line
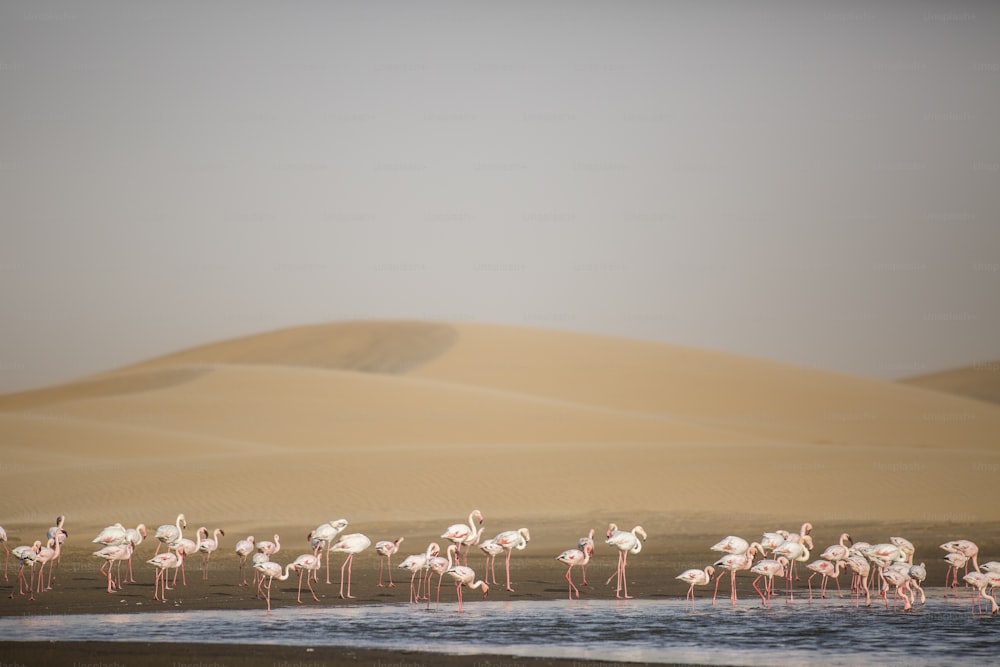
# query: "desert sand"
[404,427]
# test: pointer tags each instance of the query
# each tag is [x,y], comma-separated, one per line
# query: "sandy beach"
[403,428]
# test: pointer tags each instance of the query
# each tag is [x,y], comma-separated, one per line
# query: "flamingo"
[135,536]
[325,534]
[58,533]
[733,563]
[510,540]
[695,577]
[243,549]
[955,562]
[492,550]
[906,548]
[190,547]
[111,554]
[918,573]
[169,534]
[771,541]
[795,552]
[979,580]
[306,563]
[272,571]
[571,557]
[839,551]
[466,576]
[770,568]
[386,548]
[26,555]
[163,562]
[901,582]
[207,547]
[465,535]
[966,548]
[415,564]
[992,566]
[349,544]
[827,569]
[6,558]
[440,566]
[268,547]
[584,542]
[861,568]
[625,542]
[733,545]
[49,553]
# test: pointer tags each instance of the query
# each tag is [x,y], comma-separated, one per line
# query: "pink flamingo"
[386,548]
[440,566]
[26,555]
[169,534]
[966,548]
[626,542]
[828,569]
[571,557]
[901,582]
[324,534]
[59,534]
[980,581]
[733,563]
[695,577]
[465,576]
[306,563]
[135,536]
[111,554]
[955,561]
[163,562]
[771,541]
[861,568]
[207,547]
[465,535]
[918,573]
[510,540]
[839,551]
[272,571]
[45,555]
[584,542]
[416,563]
[243,549]
[769,568]
[6,558]
[492,550]
[190,547]
[349,544]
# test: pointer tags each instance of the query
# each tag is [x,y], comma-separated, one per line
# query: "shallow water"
[832,631]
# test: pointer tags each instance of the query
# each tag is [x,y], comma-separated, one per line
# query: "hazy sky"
[812,182]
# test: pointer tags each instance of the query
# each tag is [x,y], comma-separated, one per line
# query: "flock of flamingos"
[887,565]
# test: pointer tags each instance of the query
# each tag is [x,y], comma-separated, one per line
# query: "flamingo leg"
[460,596]
[328,567]
[347,564]
[763,599]
[388,567]
[509,587]
[623,579]
[571,586]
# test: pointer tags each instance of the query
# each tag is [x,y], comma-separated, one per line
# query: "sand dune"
[380,421]
[981,381]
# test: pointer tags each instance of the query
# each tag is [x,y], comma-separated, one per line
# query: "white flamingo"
[416,563]
[26,555]
[626,542]
[324,535]
[168,534]
[114,553]
[272,571]
[168,560]
[510,540]
[208,546]
[492,550]
[439,565]
[695,577]
[386,549]
[349,544]
[466,576]
[572,557]
[305,564]
[465,535]
[243,549]
[769,568]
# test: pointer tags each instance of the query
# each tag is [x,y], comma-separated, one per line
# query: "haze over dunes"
[383,420]
[980,381]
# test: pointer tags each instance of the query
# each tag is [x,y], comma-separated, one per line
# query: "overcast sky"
[812,182]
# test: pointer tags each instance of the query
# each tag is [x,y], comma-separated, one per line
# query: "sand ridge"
[417,421]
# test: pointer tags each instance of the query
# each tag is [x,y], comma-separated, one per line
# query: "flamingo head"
[612,527]
[639,530]
[710,571]
[479,515]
